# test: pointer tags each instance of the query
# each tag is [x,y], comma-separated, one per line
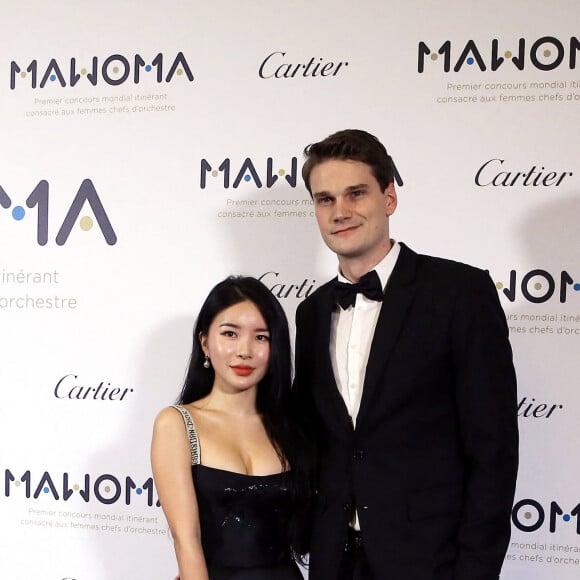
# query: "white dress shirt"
[351,334]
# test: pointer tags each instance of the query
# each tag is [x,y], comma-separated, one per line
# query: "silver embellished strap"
[191,433]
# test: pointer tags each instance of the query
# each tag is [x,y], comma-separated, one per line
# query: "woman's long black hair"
[273,397]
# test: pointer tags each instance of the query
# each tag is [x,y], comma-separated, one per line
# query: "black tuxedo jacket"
[431,465]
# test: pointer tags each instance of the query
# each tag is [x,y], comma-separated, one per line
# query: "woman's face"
[238,345]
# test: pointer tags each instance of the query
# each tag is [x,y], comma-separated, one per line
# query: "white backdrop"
[150,149]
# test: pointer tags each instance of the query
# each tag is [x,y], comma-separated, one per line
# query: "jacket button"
[358,454]
[346,507]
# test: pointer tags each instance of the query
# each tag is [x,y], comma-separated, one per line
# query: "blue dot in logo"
[247,178]
[470,60]
[139,491]
[577,287]
[53,77]
[18,213]
[566,517]
[148,68]
[46,490]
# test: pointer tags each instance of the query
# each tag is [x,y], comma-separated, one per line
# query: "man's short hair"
[352,144]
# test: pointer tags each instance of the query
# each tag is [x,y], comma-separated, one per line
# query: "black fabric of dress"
[244,522]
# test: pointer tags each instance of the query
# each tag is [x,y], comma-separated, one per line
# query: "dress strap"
[191,433]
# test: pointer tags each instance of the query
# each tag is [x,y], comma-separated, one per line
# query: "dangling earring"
[206,363]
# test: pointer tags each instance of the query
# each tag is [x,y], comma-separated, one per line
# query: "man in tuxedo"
[405,378]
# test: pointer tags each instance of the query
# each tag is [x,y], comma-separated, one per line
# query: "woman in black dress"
[230,466]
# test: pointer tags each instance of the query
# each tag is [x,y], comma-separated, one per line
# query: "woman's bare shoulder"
[169,418]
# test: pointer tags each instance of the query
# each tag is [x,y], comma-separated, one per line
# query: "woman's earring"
[206,363]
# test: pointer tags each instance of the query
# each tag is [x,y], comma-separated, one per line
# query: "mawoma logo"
[105,488]
[529,515]
[114,70]
[258,172]
[546,53]
[38,200]
[538,286]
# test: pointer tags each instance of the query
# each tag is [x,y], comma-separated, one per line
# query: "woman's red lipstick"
[242,370]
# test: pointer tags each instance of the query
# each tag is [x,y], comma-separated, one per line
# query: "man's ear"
[390,199]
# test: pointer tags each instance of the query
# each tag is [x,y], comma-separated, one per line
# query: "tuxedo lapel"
[327,387]
[399,296]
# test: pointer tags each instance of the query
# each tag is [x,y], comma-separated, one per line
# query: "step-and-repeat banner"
[149,149]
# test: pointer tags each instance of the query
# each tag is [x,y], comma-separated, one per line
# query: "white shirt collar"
[384,268]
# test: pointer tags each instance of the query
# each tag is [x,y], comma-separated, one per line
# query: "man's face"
[352,211]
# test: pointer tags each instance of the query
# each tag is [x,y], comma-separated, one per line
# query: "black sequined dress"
[243,520]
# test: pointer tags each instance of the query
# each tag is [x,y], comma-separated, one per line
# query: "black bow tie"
[369,285]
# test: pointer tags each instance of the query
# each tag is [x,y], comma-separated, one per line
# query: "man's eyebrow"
[321,194]
[358,186]
[349,188]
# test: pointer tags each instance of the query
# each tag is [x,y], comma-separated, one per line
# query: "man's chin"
[345,252]
[343,246]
